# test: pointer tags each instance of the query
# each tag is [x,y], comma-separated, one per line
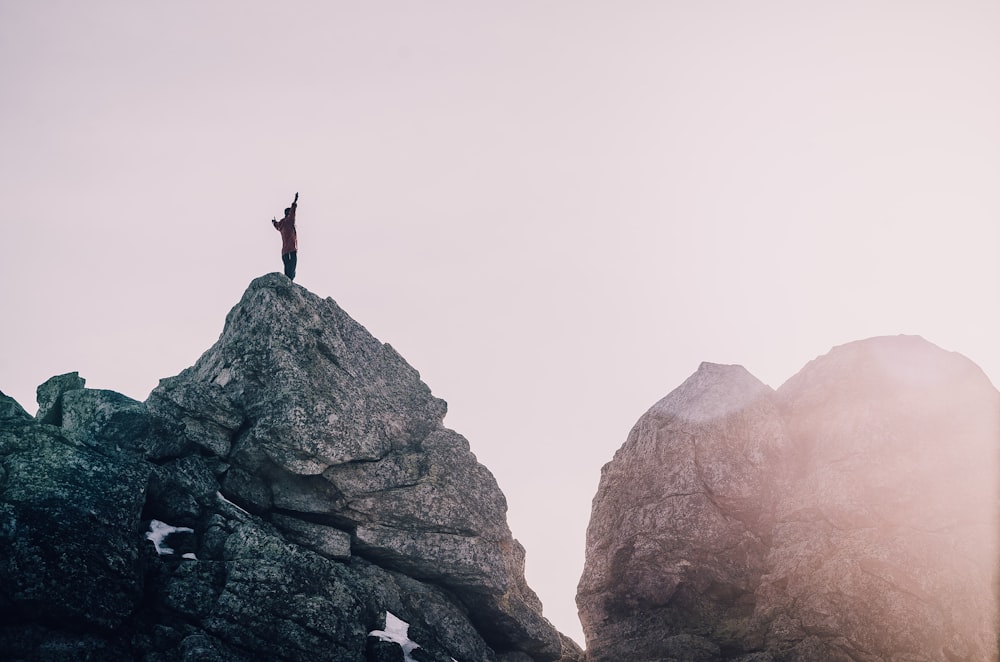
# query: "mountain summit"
[292,495]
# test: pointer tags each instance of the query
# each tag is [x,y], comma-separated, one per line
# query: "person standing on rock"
[289,238]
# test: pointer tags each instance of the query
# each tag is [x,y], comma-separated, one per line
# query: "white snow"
[225,500]
[397,631]
[158,532]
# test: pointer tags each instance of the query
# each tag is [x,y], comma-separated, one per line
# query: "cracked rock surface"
[273,501]
[849,515]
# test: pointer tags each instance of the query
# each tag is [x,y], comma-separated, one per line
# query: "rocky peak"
[850,515]
[712,393]
[316,389]
[674,541]
[889,400]
[291,492]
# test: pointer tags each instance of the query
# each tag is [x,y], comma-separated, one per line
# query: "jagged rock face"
[273,501]
[851,515]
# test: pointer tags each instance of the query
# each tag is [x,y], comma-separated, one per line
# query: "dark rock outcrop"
[274,501]
[49,396]
[851,515]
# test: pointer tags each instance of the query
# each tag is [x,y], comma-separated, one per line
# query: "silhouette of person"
[289,238]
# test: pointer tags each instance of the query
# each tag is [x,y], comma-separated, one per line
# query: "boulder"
[850,515]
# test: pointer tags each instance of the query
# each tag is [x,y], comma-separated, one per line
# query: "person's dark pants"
[289,259]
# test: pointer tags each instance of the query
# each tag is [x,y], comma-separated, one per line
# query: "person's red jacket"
[286,226]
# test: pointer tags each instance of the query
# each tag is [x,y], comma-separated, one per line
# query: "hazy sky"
[554,210]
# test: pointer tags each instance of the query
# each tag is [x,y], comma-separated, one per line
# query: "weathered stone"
[202,648]
[38,643]
[69,532]
[100,417]
[205,413]
[49,396]
[851,515]
[436,621]
[676,540]
[382,650]
[274,501]
[425,488]
[10,409]
[284,602]
[465,563]
[324,540]
[181,490]
[336,427]
[316,387]
[571,651]
[893,514]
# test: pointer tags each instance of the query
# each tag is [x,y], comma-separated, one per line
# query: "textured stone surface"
[894,506]
[50,394]
[302,485]
[69,530]
[850,515]
[95,417]
[675,545]
[10,409]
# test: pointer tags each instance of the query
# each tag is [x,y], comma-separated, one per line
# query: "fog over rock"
[850,515]
[274,501]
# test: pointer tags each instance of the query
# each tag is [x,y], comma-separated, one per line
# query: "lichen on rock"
[275,500]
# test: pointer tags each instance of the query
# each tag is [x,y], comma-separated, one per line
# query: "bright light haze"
[553,210]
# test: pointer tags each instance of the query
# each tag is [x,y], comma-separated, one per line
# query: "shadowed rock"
[10,410]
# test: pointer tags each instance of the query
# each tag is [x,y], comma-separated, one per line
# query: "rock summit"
[293,495]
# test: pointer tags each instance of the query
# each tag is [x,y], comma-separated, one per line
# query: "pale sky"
[554,210]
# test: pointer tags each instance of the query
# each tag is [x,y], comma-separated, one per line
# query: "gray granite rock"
[851,515]
[69,531]
[323,423]
[274,501]
[327,541]
[102,417]
[10,409]
[49,396]
[677,538]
